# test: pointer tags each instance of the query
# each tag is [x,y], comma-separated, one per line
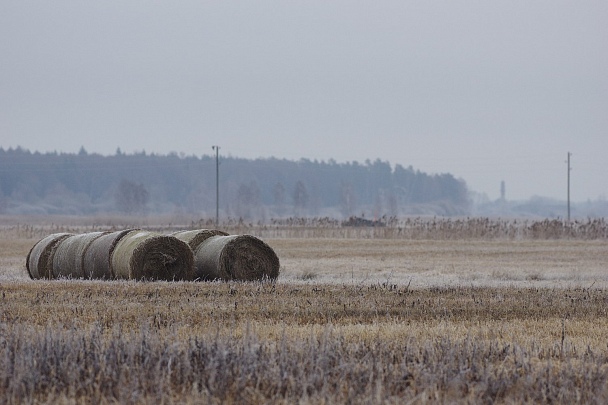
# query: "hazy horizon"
[488,92]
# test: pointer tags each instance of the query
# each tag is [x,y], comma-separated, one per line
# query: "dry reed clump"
[39,261]
[195,237]
[435,228]
[235,257]
[418,228]
[144,255]
[68,260]
[97,259]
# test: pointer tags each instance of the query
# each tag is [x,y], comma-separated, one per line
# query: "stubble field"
[350,320]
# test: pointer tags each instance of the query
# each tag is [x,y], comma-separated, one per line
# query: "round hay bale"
[151,256]
[235,257]
[39,261]
[96,259]
[68,260]
[196,237]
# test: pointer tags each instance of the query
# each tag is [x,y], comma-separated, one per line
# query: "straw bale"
[143,255]
[97,263]
[68,260]
[196,237]
[39,261]
[235,257]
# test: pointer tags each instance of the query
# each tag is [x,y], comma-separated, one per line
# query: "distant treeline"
[85,183]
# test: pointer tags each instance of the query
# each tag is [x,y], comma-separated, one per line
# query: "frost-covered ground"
[419,263]
[558,263]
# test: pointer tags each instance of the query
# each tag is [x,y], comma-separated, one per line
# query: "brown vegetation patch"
[258,343]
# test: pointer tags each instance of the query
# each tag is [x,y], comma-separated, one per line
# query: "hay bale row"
[39,262]
[98,257]
[141,255]
[134,254]
[68,258]
[235,257]
[127,254]
[219,256]
[196,237]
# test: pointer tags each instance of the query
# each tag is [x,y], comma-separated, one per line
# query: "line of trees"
[84,183]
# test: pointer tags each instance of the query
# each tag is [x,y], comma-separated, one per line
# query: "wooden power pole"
[569,169]
[217,185]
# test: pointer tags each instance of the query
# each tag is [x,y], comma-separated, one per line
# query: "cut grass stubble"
[258,342]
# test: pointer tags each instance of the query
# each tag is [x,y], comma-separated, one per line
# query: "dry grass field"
[350,320]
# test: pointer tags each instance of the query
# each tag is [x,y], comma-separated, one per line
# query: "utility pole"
[217,185]
[569,154]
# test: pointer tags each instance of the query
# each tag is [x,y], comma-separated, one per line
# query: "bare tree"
[279,198]
[300,198]
[131,198]
[347,199]
[247,200]
[393,204]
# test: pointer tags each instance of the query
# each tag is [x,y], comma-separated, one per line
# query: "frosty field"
[350,320]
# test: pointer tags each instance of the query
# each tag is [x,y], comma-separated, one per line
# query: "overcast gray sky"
[485,90]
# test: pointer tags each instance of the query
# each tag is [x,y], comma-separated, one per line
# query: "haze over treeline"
[140,183]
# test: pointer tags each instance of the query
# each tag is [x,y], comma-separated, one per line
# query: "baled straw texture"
[143,255]
[68,260]
[97,259]
[196,237]
[39,261]
[235,257]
